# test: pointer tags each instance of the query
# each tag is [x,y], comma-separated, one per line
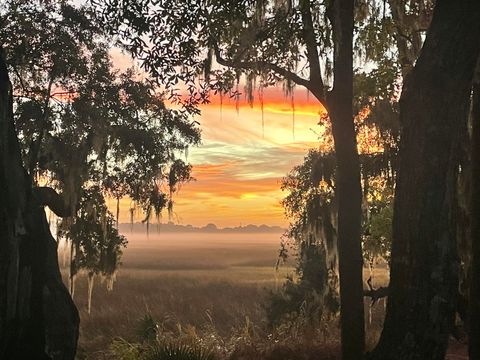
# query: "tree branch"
[20,79]
[308,35]
[287,74]
[46,196]
[35,146]
[375,294]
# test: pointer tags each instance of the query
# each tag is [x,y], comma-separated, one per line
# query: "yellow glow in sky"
[240,164]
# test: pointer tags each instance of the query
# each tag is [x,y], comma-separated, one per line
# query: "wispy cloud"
[240,164]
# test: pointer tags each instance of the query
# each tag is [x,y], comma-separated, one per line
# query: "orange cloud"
[273,100]
[240,164]
[245,152]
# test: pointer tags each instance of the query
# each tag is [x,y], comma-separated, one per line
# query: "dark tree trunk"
[348,187]
[38,319]
[474,298]
[433,110]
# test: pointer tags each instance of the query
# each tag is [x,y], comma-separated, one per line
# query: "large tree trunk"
[433,110]
[38,319]
[348,187]
[474,272]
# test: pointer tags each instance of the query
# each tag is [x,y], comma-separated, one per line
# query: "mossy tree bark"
[474,296]
[38,319]
[433,110]
[348,188]
[339,104]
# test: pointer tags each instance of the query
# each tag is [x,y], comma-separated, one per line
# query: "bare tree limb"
[36,145]
[287,74]
[375,294]
[46,196]
[308,35]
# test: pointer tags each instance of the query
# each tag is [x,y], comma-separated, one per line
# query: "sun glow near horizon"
[246,150]
[239,165]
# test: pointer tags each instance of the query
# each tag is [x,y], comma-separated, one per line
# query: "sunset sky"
[238,167]
[238,170]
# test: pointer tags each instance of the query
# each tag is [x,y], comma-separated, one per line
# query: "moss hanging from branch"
[96,244]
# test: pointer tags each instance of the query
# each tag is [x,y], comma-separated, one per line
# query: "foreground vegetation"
[177,289]
[174,290]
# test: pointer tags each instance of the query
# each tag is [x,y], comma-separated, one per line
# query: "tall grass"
[204,294]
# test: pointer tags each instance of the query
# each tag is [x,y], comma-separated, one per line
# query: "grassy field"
[188,279]
[206,288]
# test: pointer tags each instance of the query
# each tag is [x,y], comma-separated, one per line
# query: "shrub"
[177,352]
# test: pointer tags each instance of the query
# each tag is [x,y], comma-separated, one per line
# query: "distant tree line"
[209,228]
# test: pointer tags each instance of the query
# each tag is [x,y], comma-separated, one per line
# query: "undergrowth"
[294,339]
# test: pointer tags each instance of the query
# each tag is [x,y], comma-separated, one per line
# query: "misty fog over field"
[182,279]
[176,251]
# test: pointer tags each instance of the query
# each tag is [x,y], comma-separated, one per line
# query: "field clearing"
[189,279]
[209,284]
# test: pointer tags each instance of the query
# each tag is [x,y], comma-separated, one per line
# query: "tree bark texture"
[474,296]
[348,187]
[38,319]
[433,110]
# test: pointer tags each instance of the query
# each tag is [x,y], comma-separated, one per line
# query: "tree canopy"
[87,129]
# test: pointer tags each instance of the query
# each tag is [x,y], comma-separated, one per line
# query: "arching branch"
[36,145]
[308,35]
[260,64]
[46,196]
[375,294]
